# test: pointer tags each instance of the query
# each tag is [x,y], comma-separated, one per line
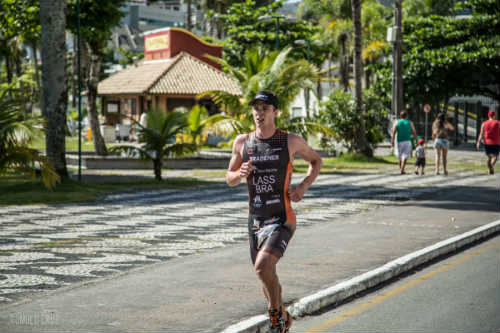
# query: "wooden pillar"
[141,105]
[455,123]
[466,120]
[479,108]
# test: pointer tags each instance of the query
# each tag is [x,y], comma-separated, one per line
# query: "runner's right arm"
[237,169]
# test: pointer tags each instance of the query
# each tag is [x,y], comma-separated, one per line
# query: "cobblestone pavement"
[48,247]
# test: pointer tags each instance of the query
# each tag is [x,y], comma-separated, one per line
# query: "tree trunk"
[18,69]
[367,76]
[8,67]
[93,80]
[157,164]
[55,90]
[361,143]
[74,73]
[37,75]
[344,63]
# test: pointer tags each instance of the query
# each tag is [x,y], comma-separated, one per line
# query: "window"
[134,106]
[297,112]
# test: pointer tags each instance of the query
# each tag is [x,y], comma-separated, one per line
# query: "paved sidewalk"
[348,224]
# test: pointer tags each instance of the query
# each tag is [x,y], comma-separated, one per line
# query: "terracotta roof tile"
[134,79]
[182,74]
[191,76]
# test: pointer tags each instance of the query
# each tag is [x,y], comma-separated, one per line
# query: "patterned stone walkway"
[47,247]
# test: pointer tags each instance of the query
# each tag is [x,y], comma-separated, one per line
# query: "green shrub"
[339,115]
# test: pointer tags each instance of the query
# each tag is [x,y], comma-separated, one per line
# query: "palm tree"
[265,71]
[16,133]
[55,90]
[158,138]
[199,122]
[361,143]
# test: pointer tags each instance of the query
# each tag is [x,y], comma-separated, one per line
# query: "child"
[420,155]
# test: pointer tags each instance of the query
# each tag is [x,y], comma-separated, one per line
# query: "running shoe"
[277,324]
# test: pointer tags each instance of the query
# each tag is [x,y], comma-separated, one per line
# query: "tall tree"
[97,19]
[55,90]
[428,7]
[262,70]
[245,31]
[441,51]
[361,144]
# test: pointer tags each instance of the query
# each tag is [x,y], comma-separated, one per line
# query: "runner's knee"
[264,267]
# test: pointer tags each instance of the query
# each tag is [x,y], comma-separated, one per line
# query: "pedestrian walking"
[264,158]
[144,119]
[420,155]
[440,128]
[402,132]
[490,134]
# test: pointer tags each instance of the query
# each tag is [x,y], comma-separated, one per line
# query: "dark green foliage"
[338,114]
[244,31]
[444,56]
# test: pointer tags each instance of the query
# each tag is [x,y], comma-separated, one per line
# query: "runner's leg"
[265,268]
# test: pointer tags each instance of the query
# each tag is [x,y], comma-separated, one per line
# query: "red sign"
[427,108]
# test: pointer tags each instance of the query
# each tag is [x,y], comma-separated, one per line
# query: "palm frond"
[303,127]
[28,161]
[229,103]
[131,151]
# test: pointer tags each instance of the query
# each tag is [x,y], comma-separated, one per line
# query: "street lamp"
[307,43]
[277,18]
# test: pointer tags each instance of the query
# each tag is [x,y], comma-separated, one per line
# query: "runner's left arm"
[300,147]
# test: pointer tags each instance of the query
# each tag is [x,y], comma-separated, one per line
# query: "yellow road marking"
[383,297]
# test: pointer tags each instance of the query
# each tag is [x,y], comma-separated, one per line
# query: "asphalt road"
[458,294]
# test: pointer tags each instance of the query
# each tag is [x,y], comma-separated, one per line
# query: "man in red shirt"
[490,134]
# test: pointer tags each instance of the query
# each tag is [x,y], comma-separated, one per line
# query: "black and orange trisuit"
[269,205]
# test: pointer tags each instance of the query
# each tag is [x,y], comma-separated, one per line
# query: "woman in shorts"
[440,129]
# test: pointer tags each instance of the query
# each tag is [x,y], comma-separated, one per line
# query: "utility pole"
[398,59]
[79,94]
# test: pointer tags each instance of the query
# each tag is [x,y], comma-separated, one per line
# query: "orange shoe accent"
[276,320]
[274,317]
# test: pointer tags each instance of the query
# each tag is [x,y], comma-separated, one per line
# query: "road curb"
[339,292]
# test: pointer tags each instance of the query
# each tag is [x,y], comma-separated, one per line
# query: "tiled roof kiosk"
[173,72]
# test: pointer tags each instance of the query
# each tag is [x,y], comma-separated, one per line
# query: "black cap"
[266,97]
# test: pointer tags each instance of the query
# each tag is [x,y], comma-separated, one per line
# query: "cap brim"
[253,101]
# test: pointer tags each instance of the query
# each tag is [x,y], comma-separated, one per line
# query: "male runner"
[264,158]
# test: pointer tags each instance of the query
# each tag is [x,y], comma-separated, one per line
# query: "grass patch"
[351,162]
[15,190]
[71,143]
